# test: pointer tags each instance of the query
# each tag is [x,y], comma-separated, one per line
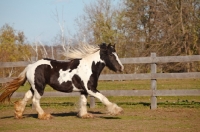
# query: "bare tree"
[61,24]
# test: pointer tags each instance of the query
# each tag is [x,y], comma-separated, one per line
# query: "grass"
[177,117]
[175,101]
[137,85]
[174,113]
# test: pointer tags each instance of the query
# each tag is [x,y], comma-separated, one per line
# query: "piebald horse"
[80,74]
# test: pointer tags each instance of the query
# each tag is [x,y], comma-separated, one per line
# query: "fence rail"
[153,76]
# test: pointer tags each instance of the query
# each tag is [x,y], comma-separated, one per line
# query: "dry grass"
[174,114]
[177,117]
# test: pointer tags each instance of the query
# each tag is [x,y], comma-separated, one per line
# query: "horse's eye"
[111,55]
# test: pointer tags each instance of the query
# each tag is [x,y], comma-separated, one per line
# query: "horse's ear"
[103,46]
[110,45]
[114,45]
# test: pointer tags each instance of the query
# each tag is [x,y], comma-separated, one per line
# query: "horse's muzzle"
[121,68]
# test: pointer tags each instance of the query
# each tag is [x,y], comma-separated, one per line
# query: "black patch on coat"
[45,74]
[64,65]
[93,81]
[63,87]
[74,64]
[57,66]
[32,91]
[78,83]
[42,75]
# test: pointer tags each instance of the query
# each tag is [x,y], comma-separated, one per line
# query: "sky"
[36,18]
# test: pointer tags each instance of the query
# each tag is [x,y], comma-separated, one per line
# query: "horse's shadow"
[96,114]
[36,115]
[64,114]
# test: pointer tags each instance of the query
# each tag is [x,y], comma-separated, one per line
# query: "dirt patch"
[134,119]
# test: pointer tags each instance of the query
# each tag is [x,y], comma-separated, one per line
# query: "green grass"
[174,113]
[137,85]
[172,101]
[168,101]
[134,102]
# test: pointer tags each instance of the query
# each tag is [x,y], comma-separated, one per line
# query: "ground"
[180,117]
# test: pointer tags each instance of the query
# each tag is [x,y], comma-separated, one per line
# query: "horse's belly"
[63,87]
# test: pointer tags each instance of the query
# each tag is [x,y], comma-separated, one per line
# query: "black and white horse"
[80,74]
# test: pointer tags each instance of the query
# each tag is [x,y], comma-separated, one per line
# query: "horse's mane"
[81,51]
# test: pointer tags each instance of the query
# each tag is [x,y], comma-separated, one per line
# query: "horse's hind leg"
[21,104]
[36,102]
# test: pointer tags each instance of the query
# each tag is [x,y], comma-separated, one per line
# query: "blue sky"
[36,17]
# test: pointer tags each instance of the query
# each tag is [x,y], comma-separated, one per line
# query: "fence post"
[92,102]
[153,83]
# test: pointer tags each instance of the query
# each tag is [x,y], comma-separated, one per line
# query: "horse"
[79,74]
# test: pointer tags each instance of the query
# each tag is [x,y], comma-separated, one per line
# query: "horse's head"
[110,57]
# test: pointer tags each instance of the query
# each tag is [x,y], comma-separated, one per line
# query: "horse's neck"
[95,61]
[95,57]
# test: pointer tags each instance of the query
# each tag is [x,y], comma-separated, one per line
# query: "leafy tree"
[166,27]
[12,48]
[140,27]
[12,45]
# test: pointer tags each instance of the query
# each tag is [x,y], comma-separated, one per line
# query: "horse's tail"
[11,87]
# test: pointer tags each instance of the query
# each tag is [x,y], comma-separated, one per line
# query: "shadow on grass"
[64,114]
[183,103]
[97,114]
[58,104]
[7,117]
[110,117]
[24,116]
[134,103]
[36,115]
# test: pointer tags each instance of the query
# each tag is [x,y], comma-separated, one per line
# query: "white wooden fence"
[153,60]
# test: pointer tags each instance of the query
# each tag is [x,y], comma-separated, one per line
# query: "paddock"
[171,116]
[153,76]
[177,105]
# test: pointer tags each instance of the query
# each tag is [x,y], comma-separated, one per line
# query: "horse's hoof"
[19,109]
[87,116]
[114,110]
[45,116]
[18,116]
[117,112]
[121,112]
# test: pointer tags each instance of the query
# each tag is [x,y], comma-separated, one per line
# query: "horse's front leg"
[83,107]
[112,108]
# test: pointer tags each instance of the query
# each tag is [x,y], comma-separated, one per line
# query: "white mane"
[81,51]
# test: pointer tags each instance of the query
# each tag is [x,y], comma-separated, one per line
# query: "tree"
[140,27]
[99,24]
[12,47]
[166,27]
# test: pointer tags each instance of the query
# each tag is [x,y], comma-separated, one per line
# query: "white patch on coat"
[30,74]
[65,76]
[83,70]
[122,67]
